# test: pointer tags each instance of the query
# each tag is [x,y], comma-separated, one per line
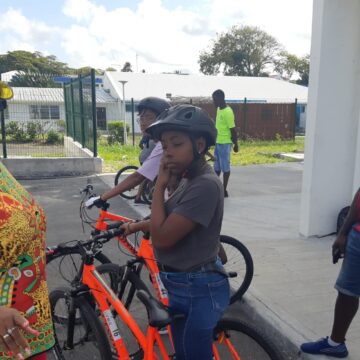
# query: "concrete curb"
[286,332]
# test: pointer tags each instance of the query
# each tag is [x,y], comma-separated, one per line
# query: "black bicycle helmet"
[187,118]
[155,104]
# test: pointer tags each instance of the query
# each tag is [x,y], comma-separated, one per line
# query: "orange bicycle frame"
[104,295]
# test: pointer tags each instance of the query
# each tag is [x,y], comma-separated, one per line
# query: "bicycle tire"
[125,171]
[148,190]
[92,343]
[55,353]
[67,264]
[239,260]
[248,342]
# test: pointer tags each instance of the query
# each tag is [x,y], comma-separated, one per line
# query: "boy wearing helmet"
[185,229]
[149,108]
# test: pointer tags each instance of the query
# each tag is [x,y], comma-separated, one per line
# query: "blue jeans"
[348,281]
[222,157]
[202,298]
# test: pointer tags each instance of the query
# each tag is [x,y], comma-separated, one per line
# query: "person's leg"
[346,308]
[225,166]
[347,303]
[202,299]
[226,176]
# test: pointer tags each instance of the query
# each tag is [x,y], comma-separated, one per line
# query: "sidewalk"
[291,296]
[292,290]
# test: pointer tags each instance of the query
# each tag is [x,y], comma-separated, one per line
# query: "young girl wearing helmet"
[185,229]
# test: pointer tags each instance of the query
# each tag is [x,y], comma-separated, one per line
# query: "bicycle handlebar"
[104,237]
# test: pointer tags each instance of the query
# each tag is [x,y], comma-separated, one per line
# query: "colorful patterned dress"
[22,260]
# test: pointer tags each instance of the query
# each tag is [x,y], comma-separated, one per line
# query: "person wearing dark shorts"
[347,243]
[226,136]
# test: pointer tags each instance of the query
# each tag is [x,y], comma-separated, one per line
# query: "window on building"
[54,112]
[101,118]
[45,112]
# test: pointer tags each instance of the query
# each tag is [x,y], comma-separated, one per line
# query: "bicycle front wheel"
[79,332]
[239,260]
[63,267]
[235,339]
[121,175]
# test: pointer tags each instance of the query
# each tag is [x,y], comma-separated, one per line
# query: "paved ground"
[292,295]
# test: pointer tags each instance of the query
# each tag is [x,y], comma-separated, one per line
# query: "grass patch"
[251,152]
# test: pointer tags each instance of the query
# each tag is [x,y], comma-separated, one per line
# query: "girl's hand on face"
[164,174]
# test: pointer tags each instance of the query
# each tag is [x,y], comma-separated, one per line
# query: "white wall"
[332,146]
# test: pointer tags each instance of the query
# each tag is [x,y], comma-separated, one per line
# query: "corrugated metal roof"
[140,85]
[52,95]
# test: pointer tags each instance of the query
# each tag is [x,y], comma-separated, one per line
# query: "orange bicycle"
[238,258]
[80,330]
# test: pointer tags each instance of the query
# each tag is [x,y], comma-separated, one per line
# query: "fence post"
[73,111]
[3,132]
[294,129]
[245,120]
[133,120]
[82,117]
[93,103]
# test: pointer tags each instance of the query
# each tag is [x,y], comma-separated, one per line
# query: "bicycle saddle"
[157,313]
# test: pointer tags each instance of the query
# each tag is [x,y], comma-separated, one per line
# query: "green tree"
[304,70]
[243,50]
[127,67]
[31,62]
[33,79]
[289,65]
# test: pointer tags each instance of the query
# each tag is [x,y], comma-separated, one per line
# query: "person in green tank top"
[226,136]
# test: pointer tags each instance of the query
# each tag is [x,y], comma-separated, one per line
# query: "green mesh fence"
[80,111]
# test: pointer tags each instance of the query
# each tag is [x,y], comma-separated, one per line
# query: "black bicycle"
[147,185]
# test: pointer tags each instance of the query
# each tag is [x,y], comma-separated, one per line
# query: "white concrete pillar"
[332,115]
[356,183]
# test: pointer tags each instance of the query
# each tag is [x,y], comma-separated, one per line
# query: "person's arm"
[135,226]
[128,183]
[234,139]
[166,231]
[340,241]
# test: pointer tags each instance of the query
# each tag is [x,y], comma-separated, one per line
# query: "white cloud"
[19,33]
[163,39]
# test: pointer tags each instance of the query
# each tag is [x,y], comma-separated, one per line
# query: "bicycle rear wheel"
[148,190]
[233,337]
[239,260]
[89,339]
[121,175]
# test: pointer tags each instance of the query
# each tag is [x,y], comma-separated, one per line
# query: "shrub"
[15,130]
[53,137]
[33,130]
[116,132]
[61,125]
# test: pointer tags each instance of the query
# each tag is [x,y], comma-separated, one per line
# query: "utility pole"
[123,82]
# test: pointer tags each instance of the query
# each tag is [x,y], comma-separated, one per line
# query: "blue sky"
[153,35]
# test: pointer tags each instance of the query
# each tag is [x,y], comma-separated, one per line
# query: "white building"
[236,88]
[47,104]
